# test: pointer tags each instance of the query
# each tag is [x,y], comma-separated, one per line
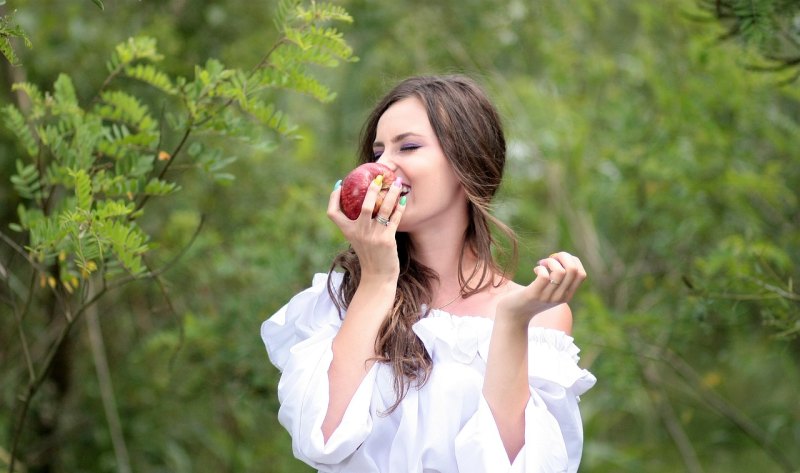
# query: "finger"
[574,274]
[542,285]
[391,198]
[334,209]
[368,206]
[558,277]
[399,210]
[579,276]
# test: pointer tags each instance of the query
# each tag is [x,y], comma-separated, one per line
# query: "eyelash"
[403,149]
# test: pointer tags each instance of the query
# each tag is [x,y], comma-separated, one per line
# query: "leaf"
[107,209]
[8,30]
[127,241]
[64,94]
[45,231]
[157,187]
[123,107]
[119,142]
[8,51]
[151,75]
[16,122]
[31,89]
[99,4]
[323,12]
[83,189]
[136,48]
[26,181]
[270,116]
[134,165]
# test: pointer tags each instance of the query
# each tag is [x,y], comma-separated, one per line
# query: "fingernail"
[398,182]
[541,262]
[337,185]
[403,200]
[379,180]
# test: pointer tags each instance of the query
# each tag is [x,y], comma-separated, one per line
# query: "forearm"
[505,386]
[354,347]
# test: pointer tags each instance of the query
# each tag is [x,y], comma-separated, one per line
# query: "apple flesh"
[355,185]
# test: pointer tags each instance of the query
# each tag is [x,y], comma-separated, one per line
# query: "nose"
[387,161]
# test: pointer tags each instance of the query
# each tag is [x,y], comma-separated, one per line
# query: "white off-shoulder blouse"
[444,426]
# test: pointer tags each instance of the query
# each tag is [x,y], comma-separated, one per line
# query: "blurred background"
[658,141]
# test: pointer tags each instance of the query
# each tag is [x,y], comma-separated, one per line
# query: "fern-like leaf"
[127,241]
[134,165]
[65,98]
[149,74]
[16,122]
[107,209]
[134,49]
[8,51]
[122,107]
[158,187]
[270,116]
[330,40]
[26,181]
[9,29]
[45,233]
[83,189]
[322,12]
[303,82]
[36,97]
[323,46]
[119,142]
[285,12]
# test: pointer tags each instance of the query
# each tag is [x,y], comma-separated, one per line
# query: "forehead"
[406,115]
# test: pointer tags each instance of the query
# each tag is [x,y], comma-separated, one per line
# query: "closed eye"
[409,147]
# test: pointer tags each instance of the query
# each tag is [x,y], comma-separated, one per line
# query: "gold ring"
[556,283]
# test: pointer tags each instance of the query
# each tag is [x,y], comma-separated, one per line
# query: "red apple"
[354,188]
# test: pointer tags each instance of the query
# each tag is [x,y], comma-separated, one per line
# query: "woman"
[417,352]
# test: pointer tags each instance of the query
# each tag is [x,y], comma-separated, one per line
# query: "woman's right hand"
[373,241]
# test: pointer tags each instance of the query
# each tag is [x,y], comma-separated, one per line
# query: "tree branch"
[721,405]
[665,410]
[106,388]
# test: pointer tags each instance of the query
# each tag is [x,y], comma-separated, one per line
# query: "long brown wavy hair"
[470,133]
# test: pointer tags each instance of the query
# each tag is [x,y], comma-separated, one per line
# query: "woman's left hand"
[557,278]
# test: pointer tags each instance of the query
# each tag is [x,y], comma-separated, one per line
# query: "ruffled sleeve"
[553,429]
[556,383]
[298,339]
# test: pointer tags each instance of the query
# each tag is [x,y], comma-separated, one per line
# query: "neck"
[441,250]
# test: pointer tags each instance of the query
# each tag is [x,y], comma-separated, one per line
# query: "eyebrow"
[397,138]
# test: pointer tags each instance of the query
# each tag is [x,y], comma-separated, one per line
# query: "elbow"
[513,450]
[328,428]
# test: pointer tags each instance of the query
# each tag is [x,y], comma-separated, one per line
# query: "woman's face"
[406,142]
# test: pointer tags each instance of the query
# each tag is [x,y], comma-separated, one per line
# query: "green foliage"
[767,26]
[89,166]
[113,149]
[8,30]
[636,140]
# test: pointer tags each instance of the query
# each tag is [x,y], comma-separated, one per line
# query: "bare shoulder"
[558,317]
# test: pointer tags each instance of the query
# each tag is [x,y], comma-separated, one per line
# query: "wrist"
[379,280]
[512,320]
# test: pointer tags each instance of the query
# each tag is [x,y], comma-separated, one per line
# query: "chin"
[406,225]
